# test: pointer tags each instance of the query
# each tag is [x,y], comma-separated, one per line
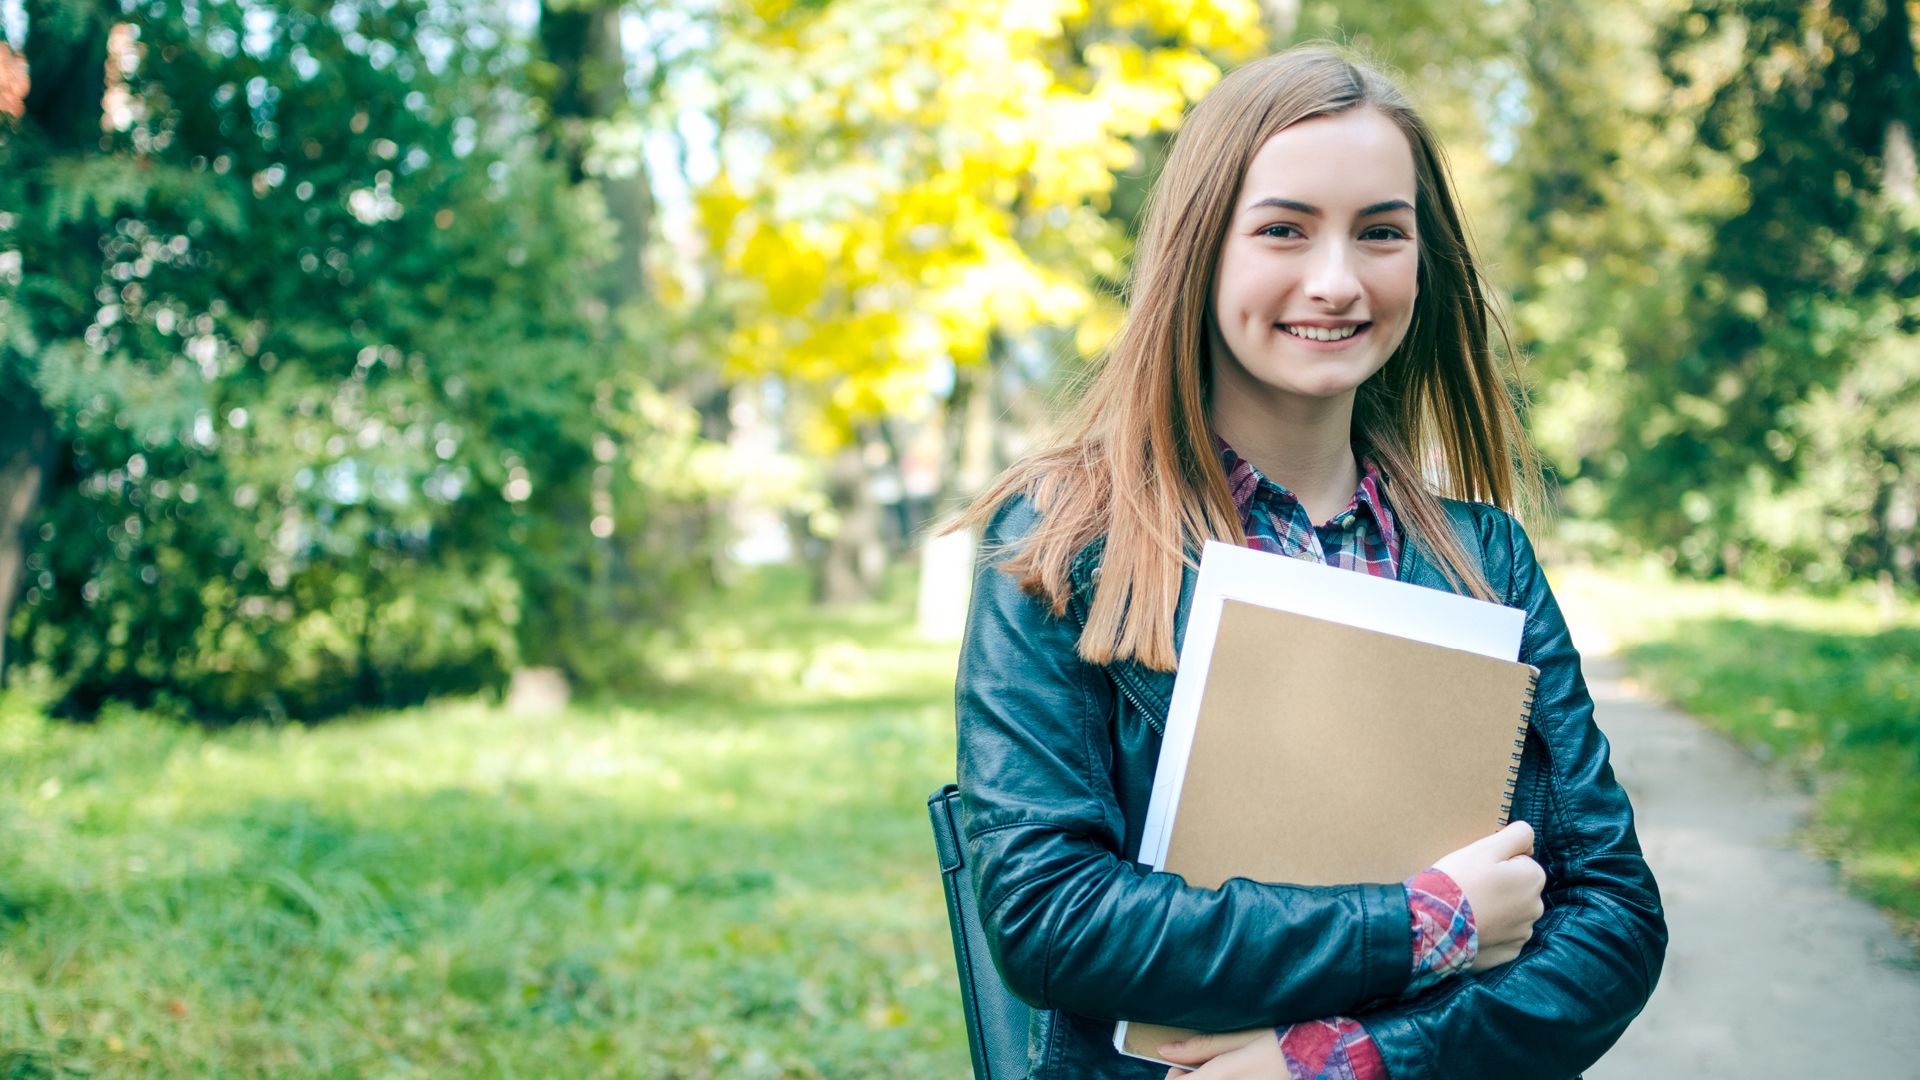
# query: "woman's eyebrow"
[1284,204]
[1314,211]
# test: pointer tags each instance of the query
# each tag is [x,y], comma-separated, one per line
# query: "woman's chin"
[1329,387]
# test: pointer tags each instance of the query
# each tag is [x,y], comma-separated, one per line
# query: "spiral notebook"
[1301,749]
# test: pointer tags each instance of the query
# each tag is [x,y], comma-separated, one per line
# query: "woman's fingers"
[1502,884]
[1252,1053]
[1202,1048]
[1515,839]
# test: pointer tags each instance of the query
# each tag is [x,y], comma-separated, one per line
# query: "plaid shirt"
[1362,537]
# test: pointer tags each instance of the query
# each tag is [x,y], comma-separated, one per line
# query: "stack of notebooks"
[1329,728]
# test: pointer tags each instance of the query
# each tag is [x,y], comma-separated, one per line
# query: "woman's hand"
[1502,884]
[1249,1054]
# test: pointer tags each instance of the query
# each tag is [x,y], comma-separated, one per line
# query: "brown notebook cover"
[1327,755]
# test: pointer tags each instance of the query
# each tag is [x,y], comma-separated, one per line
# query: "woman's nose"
[1330,279]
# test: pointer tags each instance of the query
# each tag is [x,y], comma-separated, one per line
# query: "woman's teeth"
[1323,333]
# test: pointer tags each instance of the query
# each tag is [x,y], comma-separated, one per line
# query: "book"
[1306,750]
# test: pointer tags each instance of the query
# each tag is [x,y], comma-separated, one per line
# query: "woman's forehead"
[1340,161]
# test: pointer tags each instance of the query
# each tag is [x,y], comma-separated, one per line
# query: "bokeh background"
[467,473]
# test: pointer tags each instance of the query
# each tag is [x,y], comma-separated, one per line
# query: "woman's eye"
[1383,232]
[1280,232]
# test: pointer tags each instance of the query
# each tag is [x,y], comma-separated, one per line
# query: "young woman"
[1306,368]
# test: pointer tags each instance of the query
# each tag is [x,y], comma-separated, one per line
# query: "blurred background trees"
[357,350]
[1719,281]
[908,220]
[339,356]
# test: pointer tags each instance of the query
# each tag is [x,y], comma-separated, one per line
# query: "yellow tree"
[905,188]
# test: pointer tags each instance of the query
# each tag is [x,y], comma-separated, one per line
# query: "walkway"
[1773,970]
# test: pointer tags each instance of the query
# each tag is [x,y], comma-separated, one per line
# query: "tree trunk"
[970,429]
[590,68]
[899,519]
[66,54]
[67,70]
[583,82]
[26,457]
[856,557]
[1890,43]
[953,440]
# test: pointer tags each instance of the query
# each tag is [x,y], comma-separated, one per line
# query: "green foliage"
[1721,283]
[347,421]
[352,403]
[734,881]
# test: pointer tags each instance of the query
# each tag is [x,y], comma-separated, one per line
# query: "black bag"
[996,1020]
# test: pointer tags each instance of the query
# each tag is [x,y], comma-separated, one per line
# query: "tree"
[1714,227]
[67,53]
[581,78]
[1791,407]
[1607,199]
[339,402]
[925,191]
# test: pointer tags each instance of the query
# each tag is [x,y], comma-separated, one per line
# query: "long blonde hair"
[1136,461]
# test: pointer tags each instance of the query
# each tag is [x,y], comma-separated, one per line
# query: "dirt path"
[1773,970]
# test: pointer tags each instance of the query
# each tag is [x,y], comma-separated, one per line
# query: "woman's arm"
[1597,952]
[1070,924]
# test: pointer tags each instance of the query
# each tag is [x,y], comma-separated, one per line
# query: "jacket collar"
[1152,691]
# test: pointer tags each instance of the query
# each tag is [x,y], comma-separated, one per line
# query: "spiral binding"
[1519,747]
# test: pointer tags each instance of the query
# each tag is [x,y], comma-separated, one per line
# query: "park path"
[1773,970]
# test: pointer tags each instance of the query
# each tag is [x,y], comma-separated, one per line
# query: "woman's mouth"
[1324,333]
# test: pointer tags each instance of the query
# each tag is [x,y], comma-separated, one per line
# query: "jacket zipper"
[1126,691]
[1126,687]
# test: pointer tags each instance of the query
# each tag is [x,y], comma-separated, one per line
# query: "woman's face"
[1317,277]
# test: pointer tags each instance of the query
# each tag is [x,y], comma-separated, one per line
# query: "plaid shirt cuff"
[1333,1049]
[1444,938]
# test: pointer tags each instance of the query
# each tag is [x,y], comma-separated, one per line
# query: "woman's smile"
[1318,274]
[1322,334]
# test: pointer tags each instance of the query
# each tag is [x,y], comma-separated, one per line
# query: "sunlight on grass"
[1828,687]
[732,877]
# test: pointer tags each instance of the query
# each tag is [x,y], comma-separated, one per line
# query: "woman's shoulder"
[1488,522]
[1015,505]
[1041,523]
[1497,537]
[1013,518]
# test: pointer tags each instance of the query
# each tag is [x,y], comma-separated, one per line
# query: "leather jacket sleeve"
[1073,925]
[1597,951]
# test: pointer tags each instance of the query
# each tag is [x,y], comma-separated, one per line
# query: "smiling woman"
[1315,289]
[1306,368]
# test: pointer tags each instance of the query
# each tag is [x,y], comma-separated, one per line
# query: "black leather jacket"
[1056,765]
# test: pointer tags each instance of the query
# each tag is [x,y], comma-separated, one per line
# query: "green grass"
[1828,688]
[733,878]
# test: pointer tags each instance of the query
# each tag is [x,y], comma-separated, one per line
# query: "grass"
[1828,688]
[733,878]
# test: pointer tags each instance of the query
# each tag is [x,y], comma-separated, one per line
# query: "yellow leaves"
[1230,29]
[718,206]
[1098,329]
[1193,73]
[1008,293]
[914,177]
[1147,90]
[790,267]
[1040,21]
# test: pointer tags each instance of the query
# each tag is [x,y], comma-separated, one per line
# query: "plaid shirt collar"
[1361,537]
